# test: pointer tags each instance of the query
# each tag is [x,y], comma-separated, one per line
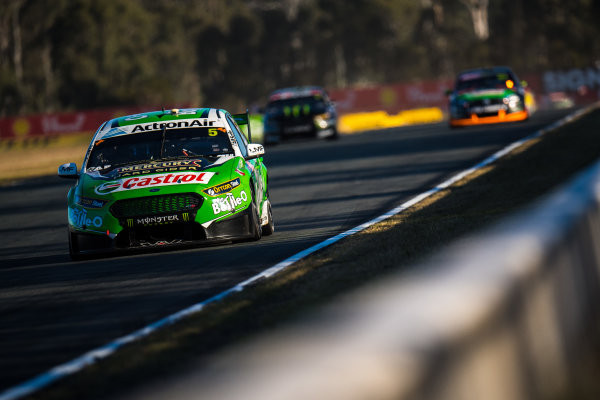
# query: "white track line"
[93,356]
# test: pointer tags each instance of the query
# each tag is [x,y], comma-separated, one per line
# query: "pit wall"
[506,314]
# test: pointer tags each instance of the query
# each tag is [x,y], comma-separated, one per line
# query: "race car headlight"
[321,120]
[459,108]
[512,101]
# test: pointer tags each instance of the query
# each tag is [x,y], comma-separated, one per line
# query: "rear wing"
[241,120]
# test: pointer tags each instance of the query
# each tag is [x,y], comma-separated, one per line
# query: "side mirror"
[255,150]
[68,171]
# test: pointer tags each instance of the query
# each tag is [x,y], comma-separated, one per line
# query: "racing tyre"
[73,248]
[255,219]
[269,228]
[335,136]
[256,223]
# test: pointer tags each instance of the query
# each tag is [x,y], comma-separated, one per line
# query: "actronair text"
[156,126]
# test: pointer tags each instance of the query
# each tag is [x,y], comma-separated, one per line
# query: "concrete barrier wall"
[505,314]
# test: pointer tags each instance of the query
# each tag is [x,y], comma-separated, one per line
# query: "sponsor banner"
[228,203]
[214,125]
[80,219]
[49,125]
[150,181]
[155,220]
[222,188]
[572,80]
[157,126]
[571,87]
[158,167]
[392,98]
[579,85]
[89,202]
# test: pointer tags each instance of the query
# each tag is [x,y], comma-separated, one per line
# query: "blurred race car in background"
[299,112]
[487,96]
[167,177]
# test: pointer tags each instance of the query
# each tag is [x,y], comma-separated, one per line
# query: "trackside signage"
[572,80]
[150,181]
[49,125]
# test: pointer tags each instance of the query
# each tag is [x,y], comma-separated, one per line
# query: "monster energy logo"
[296,109]
[158,220]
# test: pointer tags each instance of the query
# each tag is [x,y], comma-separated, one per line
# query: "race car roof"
[155,120]
[294,92]
[481,72]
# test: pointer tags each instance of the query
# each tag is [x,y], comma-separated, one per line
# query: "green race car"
[487,96]
[168,177]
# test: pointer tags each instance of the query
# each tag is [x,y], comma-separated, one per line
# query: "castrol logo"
[149,181]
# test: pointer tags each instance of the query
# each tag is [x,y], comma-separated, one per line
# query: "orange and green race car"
[487,96]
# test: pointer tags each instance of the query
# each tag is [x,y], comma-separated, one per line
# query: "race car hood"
[163,177]
[484,94]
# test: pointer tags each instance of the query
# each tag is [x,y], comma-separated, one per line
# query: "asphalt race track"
[53,310]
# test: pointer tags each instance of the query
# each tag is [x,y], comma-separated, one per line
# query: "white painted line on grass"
[93,356]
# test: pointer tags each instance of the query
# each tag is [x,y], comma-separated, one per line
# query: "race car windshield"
[481,83]
[150,146]
[298,106]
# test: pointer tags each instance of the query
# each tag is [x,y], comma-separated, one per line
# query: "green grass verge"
[28,159]
[471,204]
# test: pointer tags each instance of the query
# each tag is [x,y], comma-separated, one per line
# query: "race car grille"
[154,205]
[486,102]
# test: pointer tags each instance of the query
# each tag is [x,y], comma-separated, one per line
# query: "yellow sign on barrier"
[380,119]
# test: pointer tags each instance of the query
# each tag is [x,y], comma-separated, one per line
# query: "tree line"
[60,55]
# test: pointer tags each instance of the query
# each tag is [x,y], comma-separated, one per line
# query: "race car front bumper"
[236,227]
[502,116]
